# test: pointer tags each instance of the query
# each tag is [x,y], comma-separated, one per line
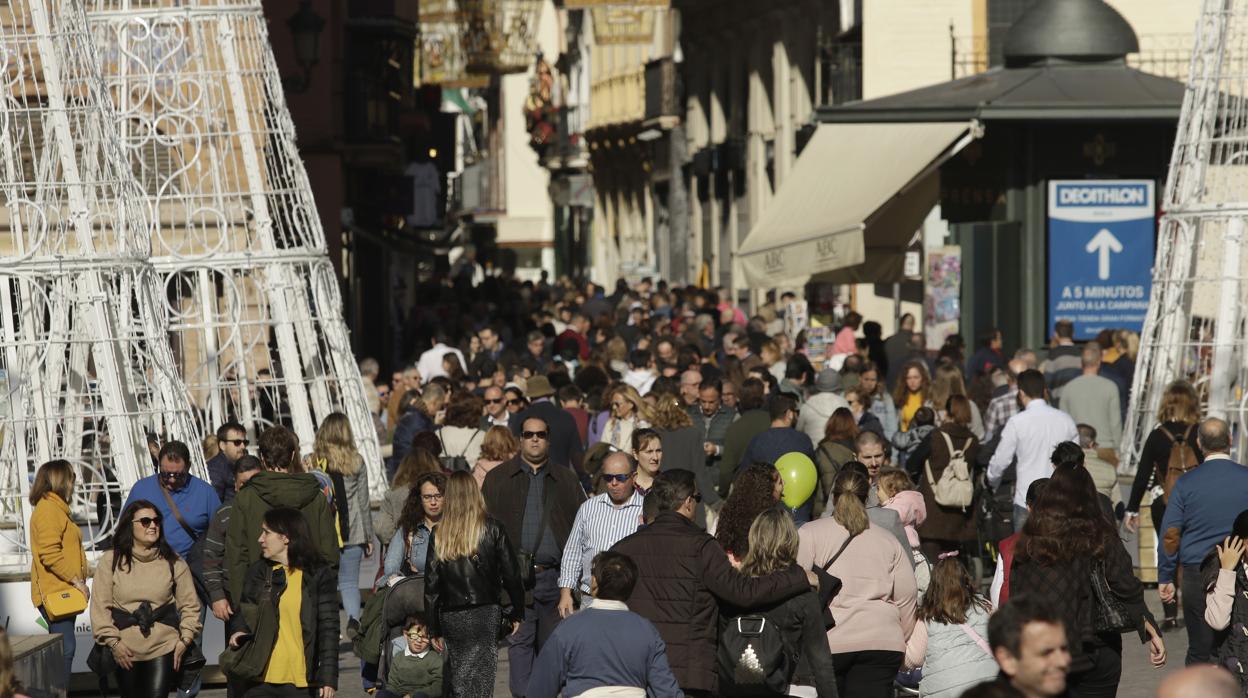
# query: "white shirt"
[430,364]
[1031,435]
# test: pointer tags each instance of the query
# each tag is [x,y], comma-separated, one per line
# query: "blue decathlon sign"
[1101,236]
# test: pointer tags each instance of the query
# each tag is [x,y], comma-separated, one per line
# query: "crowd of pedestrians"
[652,493]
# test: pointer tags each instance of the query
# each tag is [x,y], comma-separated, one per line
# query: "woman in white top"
[461,434]
[628,412]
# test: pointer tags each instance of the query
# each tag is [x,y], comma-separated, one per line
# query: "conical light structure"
[88,374]
[251,298]
[1195,330]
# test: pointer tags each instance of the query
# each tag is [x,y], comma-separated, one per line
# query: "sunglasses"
[148,521]
[494,401]
[237,442]
[534,434]
[515,401]
[171,476]
[617,478]
[696,496]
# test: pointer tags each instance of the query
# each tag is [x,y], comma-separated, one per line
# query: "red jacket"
[1006,549]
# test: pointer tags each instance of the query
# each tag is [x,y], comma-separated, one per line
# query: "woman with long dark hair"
[421,513]
[913,390]
[1067,550]
[755,490]
[304,658]
[1178,416]
[144,609]
[945,528]
[834,451]
[469,564]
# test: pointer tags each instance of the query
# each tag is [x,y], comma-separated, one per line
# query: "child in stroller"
[390,620]
[415,667]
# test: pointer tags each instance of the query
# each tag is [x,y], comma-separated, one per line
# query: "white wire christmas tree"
[1195,328]
[88,373]
[250,294]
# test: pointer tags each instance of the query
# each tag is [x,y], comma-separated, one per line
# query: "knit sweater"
[147,579]
[410,674]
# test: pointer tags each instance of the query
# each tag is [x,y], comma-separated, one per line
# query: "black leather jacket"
[473,581]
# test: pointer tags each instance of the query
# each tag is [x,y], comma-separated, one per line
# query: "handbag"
[830,586]
[1109,613]
[249,660]
[65,603]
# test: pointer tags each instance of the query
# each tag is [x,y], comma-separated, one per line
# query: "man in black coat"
[536,500]
[565,438]
[684,574]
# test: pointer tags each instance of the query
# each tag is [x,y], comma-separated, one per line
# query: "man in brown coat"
[684,574]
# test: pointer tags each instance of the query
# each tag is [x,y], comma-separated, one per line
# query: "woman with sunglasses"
[144,610]
[627,413]
[57,560]
[304,658]
[470,562]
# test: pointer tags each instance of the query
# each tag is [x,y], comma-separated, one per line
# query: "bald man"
[1203,681]
[600,523]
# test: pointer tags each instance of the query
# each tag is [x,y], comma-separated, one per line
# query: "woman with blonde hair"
[626,413]
[470,563]
[57,560]
[682,446]
[498,447]
[773,546]
[1178,418]
[334,453]
[913,390]
[946,383]
[874,610]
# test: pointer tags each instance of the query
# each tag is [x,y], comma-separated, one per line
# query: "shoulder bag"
[830,586]
[1109,613]
[249,660]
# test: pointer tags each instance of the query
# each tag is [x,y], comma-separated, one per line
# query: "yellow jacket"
[56,554]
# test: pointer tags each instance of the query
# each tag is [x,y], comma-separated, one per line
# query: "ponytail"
[849,492]
[850,513]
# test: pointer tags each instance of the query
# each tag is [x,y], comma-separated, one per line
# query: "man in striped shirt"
[600,523]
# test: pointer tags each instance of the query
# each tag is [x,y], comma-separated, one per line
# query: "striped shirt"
[599,524]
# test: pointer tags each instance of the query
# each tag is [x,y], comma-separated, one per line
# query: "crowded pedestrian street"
[623,348]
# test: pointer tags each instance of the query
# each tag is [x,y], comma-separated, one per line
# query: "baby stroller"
[382,622]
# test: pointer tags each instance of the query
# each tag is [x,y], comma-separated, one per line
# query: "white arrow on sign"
[1104,243]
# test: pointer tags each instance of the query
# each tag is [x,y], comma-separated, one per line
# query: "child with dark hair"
[950,640]
[922,424]
[415,666]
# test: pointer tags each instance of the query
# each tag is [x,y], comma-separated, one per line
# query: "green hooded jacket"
[268,490]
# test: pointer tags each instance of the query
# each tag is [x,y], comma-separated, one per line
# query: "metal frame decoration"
[253,303]
[1195,327]
[84,355]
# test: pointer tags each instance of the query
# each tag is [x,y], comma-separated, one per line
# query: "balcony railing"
[840,66]
[1167,55]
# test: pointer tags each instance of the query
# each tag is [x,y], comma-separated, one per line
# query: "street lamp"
[305,28]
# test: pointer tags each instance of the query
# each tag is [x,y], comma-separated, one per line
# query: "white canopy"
[831,207]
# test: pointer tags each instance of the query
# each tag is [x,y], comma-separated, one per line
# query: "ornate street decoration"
[85,362]
[586,4]
[252,301]
[500,36]
[623,25]
[440,47]
[541,115]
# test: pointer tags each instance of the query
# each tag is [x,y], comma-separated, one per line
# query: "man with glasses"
[496,414]
[536,500]
[600,523]
[677,560]
[565,440]
[232,438]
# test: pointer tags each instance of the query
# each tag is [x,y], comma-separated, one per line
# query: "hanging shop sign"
[623,25]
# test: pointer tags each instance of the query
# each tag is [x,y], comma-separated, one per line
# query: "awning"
[842,198]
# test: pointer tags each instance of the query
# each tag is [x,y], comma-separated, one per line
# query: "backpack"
[752,655]
[456,464]
[1182,459]
[954,488]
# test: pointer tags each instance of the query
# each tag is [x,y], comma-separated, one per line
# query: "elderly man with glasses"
[601,522]
[495,413]
[536,500]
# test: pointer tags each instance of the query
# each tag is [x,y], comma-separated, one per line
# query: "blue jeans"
[1020,517]
[65,627]
[540,620]
[349,579]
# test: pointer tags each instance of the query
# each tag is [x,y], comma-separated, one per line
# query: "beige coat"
[147,579]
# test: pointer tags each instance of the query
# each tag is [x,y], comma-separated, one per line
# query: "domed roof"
[1070,30]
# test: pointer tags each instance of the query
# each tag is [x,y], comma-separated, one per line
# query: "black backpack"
[752,655]
[457,464]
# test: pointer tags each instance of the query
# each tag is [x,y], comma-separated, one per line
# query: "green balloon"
[799,476]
